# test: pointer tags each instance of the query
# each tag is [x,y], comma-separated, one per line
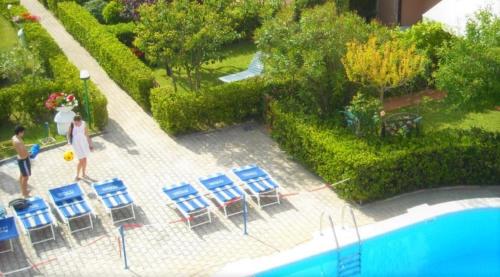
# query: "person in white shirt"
[78,137]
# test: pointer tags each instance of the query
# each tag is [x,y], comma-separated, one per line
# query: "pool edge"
[323,243]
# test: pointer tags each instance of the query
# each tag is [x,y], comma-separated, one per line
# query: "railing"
[353,220]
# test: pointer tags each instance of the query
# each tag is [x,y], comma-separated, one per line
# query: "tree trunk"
[170,73]
[381,95]
[190,77]
[197,78]
[168,68]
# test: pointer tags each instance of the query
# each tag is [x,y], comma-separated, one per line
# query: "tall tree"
[183,34]
[308,53]
[469,68]
[382,65]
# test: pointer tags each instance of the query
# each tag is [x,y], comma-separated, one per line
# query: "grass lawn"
[32,135]
[436,116]
[8,35]
[238,58]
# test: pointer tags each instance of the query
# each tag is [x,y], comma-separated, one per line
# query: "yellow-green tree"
[382,65]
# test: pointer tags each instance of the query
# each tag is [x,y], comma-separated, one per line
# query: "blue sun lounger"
[8,231]
[189,202]
[115,196]
[71,205]
[259,183]
[35,217]
[223,190]
[255,68]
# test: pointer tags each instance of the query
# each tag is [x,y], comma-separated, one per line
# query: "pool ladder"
[347,265]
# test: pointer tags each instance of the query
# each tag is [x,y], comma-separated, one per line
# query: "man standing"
[23,159]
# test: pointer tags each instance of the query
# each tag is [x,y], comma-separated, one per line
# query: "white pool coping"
[323,243]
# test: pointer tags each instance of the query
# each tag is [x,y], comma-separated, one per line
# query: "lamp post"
[85,76]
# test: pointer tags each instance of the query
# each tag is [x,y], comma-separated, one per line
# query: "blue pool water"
[465,243]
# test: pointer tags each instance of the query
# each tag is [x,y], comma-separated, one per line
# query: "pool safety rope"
[37,266]
[129,226]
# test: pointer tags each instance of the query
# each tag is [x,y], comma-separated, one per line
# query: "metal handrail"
[353,220]
[333,231]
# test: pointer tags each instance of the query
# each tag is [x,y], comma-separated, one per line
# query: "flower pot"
[63,119]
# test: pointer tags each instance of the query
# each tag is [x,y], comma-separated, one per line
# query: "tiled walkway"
[136,150]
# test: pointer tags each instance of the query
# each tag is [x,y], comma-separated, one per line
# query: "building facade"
[403,12]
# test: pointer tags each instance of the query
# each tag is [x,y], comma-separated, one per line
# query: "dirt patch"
[394,103]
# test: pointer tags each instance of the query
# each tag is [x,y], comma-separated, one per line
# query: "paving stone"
[135,149]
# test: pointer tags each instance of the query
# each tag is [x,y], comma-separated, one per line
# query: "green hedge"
[379,169]
[28,97]
[118,61]
[123,31]
[179,112]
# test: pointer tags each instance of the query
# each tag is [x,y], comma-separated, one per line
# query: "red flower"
[30,17]
[70,98]
[50,104]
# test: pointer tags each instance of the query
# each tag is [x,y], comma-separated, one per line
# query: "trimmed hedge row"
[118,61]
[180,112]
[123,31]
[379,169]
[29,96]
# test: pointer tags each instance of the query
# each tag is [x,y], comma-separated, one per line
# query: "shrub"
[118,61]
[179,112]
[379,168]
[25,99]
[112,12]
[469,68]
[366,109]
[428,37]
[95,7]
[123,31]
[6,96]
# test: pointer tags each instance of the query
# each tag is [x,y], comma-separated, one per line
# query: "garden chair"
[36,216]
[352,121]
[71,205]
[8,231]
[255,68]
[223,190]
[259,183]
[189,202]
[115,196]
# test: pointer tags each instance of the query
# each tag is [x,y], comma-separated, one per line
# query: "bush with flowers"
[25,16]
[60,99]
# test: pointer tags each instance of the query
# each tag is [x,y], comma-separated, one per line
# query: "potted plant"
[64,104]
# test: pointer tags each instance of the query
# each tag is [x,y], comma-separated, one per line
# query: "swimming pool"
[465,243]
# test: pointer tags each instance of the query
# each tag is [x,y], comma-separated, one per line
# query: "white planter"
[63,119]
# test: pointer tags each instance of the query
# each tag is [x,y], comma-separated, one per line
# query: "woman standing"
[78,137]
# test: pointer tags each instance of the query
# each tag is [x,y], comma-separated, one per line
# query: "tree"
[382,65]
[18,63]
[183,34]
[469,68]
[112,12]
[428,37]
[308,53]
[131,8]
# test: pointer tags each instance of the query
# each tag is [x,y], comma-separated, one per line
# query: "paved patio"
[136,150]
